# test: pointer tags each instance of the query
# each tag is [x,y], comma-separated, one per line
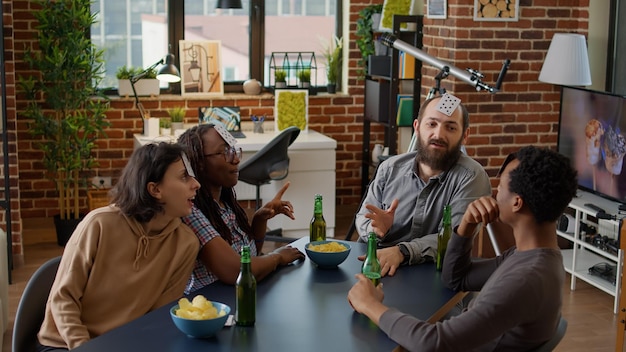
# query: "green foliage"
[280,75]
[304,75]
[365,37]
[332,54]
[164,122]
[65,109]
[177,113]
[126,72]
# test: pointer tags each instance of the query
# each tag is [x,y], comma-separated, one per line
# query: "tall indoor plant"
[65,109]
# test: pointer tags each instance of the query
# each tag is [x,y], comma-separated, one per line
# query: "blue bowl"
[327,259]
[201,328]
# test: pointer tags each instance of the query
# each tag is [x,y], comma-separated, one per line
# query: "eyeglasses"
[229,154]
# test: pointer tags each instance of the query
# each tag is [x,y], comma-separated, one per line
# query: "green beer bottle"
[371,265]
[317,229]
[444,236]
[245,313]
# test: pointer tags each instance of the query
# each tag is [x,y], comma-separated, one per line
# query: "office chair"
[268,164]
[32,306]
[556,338]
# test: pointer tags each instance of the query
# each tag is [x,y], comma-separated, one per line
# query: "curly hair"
[545,180]
[191,141]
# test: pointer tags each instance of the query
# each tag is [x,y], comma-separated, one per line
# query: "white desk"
[311,170]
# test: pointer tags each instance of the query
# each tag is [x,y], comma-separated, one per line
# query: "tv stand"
[584,254]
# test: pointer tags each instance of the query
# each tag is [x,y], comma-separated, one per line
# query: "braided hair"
[191,141]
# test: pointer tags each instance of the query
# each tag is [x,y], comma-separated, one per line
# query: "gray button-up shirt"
[418,217]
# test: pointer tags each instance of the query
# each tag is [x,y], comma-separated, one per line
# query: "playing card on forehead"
[187,165]
[228,138]
[447,104]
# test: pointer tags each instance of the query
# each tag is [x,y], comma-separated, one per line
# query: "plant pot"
[151,127]
[304,84]
[280,84]
[178,126]
[143,87]
[166,131]
[65,228]
[331,88]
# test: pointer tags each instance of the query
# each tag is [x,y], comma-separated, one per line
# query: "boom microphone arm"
[473,77]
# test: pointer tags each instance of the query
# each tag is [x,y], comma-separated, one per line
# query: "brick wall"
[525,112]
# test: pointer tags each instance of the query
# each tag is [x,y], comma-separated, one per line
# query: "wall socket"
[101,181]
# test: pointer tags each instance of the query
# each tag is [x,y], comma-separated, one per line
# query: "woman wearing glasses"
[219,222]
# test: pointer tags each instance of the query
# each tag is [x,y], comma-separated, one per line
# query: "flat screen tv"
[591,134]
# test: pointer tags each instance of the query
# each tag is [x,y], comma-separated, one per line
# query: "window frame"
[176,29]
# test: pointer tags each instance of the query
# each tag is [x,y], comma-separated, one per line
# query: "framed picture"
[436,9]
[501,10]
[200,67]
[291,108]
[396,7]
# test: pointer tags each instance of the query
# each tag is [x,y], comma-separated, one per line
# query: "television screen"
[591,134]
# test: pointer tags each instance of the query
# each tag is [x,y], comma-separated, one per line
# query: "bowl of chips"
[327,254]
[199,318]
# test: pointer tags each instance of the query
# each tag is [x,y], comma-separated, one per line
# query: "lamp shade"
[169,72]
[229,4]
[567,61]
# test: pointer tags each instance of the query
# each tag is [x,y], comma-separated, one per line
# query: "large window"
[135,33]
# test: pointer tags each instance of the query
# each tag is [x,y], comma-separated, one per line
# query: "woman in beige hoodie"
[129,258]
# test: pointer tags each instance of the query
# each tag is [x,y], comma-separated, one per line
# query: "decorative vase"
[376,152]
[252,87]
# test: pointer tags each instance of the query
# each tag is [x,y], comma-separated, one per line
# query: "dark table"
[299,308]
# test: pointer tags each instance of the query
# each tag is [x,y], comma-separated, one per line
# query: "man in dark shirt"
[519,303]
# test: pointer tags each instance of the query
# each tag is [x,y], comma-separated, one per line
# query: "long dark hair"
[147,164]
[191,141]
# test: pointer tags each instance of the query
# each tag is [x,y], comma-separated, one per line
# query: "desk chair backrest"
[269,163]
[556,338]
[32,306]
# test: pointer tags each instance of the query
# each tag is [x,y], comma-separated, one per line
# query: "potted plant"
[304,78]
[333,56]
[66,111]
[280,78]
[365,35]
[177,116]
[166,126]
[147,86]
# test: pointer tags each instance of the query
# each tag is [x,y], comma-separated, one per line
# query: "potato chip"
[198,309]
[328,247]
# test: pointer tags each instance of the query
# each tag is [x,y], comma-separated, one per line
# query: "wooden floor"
[588,310]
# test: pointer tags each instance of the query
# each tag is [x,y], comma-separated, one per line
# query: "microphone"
[472,77]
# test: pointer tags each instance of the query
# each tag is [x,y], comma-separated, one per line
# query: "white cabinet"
[583,254]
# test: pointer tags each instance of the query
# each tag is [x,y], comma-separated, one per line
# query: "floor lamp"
[168,73]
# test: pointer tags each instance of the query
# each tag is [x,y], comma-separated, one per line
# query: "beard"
[437,159]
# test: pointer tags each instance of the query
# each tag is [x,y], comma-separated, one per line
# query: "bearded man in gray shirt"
[404,203]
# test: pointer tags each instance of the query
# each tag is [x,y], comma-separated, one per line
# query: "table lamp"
[168,73]
[567,62]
